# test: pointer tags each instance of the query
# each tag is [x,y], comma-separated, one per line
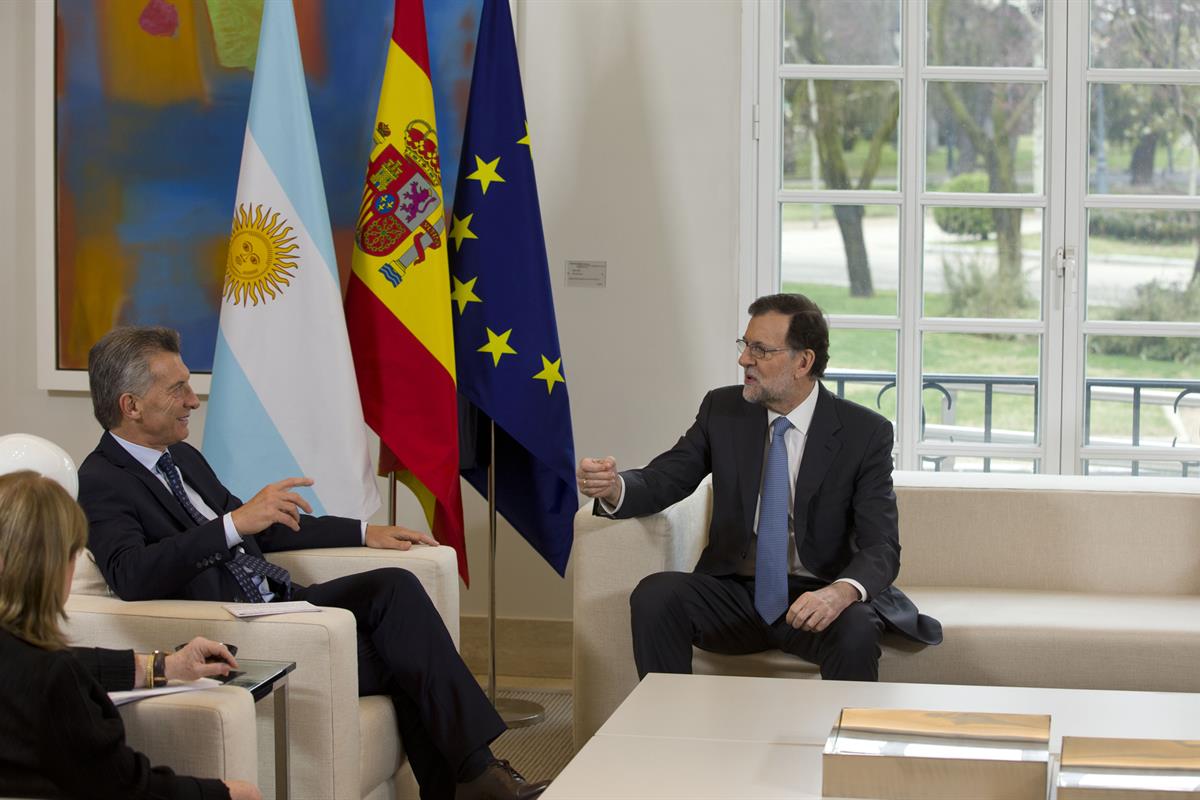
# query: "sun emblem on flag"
[261,251]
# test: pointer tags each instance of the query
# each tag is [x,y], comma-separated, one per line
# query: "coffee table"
[707,736]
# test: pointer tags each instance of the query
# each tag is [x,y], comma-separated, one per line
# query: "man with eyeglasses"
[803,545]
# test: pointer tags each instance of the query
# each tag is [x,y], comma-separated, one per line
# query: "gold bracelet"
[149,670]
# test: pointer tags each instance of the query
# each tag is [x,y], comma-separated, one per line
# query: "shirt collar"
[800,416]
[146,456]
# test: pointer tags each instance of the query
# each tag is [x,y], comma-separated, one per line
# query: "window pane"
[986,33]
[841,32]
[967,149]
[1150,34]
[840,134]
[1142,390]
[1143,139]
[1150,469]
[1143,265]
[846,258]
[983,262]
[862,368]
[1013,466]
[980,387]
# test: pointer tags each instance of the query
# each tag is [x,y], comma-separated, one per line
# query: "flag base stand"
[515,713]
[519,713]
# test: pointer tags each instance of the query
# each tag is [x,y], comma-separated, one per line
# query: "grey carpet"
[540,751]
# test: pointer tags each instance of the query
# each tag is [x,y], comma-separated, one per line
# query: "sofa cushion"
[88,579]
[1050,533]
[999,637]
[377,725]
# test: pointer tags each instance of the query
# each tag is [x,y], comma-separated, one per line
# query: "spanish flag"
[398,300]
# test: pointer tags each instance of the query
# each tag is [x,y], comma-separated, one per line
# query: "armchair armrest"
[208,734]
[322,691]
[435,567]
[611,557]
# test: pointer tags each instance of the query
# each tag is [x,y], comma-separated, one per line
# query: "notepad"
[247,610]
[175,687]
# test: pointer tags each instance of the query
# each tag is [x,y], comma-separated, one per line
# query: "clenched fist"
[597,477]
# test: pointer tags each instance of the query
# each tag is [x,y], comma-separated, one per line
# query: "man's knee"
[398,582]
[655,594]
[856,631]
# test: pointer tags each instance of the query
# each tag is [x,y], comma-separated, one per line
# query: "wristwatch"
[157,669]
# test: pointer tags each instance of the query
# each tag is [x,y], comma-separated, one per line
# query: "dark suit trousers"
[671,611]
[405,651]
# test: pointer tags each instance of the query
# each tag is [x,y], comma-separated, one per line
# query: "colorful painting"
[151,102]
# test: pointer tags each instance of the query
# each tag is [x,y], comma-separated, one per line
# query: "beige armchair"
[342,746]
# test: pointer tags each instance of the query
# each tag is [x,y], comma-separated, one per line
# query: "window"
[995,202]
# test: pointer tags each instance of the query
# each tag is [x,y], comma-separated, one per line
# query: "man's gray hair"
[120,363]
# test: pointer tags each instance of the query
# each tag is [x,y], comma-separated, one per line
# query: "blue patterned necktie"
[242,566]
[771,557]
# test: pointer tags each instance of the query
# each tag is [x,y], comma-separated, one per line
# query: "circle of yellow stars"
[463,292]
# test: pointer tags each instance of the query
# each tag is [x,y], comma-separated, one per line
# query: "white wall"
[633,113]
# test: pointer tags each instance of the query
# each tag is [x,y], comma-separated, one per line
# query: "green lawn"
[965,353]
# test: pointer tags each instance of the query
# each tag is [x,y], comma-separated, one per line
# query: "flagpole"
[515,713]
[392,498]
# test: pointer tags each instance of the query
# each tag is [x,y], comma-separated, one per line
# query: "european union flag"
[510,368]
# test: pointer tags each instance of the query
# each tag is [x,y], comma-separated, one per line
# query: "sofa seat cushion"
[381,751]
[1008,637]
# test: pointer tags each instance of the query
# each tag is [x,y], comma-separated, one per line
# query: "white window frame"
[1062,326]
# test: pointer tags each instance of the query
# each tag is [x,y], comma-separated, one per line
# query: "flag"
[398,300]
[510,367]
[284,399]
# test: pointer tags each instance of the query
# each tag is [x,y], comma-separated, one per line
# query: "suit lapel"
[750,437]
[119,457]
[820,447]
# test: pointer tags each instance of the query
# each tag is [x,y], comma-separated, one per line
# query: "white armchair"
[342,746]
[611,557]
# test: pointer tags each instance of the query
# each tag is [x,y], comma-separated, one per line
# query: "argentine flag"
[284,399]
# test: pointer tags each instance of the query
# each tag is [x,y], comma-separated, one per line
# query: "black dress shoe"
[499,782]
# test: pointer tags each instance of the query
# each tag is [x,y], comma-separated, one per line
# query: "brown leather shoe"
[499,782]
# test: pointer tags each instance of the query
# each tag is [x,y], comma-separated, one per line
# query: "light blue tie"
[771,558]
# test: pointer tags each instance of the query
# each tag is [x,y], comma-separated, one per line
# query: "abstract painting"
[151,99]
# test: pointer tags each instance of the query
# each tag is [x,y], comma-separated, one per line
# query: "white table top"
[705,736]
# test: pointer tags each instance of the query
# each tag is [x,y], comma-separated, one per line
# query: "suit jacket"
[148,547]
[63,737]
[844,517]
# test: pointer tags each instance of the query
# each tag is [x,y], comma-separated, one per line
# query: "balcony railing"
[1138,392]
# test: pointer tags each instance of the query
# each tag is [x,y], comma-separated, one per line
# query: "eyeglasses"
[757,351]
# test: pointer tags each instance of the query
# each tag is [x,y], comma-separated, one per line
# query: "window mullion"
[912,143]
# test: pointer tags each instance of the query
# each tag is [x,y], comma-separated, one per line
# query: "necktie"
[242,566]
[771,557]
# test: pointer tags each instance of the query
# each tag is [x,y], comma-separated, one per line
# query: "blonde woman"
[59,734]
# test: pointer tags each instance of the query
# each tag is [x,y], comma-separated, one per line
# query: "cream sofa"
[343,747]
[1076,582]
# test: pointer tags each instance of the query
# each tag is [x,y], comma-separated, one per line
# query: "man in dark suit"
[163,526]
[803,545]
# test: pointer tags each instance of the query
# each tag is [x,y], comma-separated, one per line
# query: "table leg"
[283,774]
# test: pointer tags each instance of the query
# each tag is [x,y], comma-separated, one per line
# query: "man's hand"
[597,477]
[190,661]
[273,503]
[816,611]
[393,537]
[241,790]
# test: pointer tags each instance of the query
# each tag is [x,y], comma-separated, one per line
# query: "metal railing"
[1137,391]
